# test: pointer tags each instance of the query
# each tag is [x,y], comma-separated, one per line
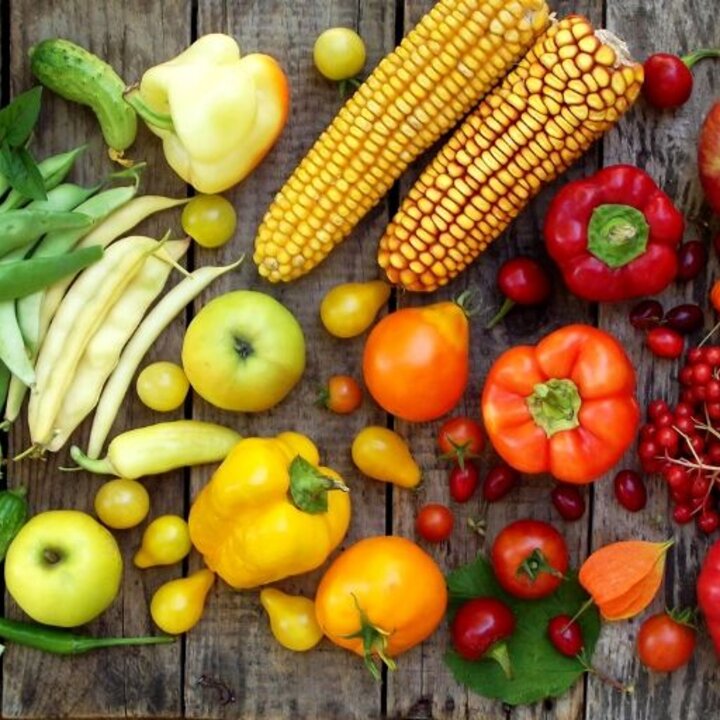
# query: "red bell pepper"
[708,593]
[614,235]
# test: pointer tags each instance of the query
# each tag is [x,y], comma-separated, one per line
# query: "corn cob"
[571,87]
[456,53]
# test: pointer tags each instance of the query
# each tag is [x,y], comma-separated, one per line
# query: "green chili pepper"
[19,228]
[62,642]
[24,277]
[53,170]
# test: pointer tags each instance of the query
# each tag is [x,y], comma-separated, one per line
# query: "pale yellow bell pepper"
[217,113]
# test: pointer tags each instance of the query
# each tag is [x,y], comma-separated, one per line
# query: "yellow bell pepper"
[216,112]
[269,511]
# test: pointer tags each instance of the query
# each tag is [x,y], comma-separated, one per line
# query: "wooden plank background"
[233,644]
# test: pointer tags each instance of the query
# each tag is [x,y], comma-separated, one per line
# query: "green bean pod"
[24,277]
[20,228]
[64,197]
[97,208]
[53,170]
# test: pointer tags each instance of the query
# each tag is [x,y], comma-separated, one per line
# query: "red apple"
[709,157]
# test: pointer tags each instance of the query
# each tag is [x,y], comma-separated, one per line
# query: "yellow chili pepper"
[383,455]
[268,513]
[160,448]
[217,113]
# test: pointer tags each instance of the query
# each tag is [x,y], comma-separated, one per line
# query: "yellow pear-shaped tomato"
[292,619]
[349,309]
[177,606]
[383,455]
[166,540]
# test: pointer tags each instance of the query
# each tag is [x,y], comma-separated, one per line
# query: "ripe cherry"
[630,490]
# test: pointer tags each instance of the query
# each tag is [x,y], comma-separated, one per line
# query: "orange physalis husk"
[622,578]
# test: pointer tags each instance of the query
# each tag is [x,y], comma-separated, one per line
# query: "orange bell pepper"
[565,406]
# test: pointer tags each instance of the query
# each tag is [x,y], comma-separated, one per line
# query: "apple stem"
[62,642]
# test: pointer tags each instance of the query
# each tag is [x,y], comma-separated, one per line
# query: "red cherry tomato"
[565,635]
[664,644]
[434,522]
[529,558]
[665,343]
[480,624]
[463,481]
[668,81]
[460,437]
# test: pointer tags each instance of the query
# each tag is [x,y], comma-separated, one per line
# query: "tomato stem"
[683,616]
[691,58]
[374,640]
[536,563]
[505,308]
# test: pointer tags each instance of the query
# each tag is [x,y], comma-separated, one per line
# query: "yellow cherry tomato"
[292,619]
[177,606]
[339,53]
[300,445]
[350,308]
[122,503]
[166,540]
[383,455]
[162,386]
[210,220]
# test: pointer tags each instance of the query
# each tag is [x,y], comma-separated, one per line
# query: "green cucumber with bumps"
[76,74]
[13,515]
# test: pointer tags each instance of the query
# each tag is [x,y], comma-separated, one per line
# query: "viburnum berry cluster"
[683,443]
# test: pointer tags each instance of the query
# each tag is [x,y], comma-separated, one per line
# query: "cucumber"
[76,74]
[13,515]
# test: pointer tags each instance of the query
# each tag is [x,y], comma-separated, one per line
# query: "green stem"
[374,641]
[617,234]
[308,486]
[536,563]
[101,466]
[505,308]
[554,405]
[691,58]
[158,120]
[62,642]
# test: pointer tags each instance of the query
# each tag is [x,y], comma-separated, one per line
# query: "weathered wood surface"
[233,643]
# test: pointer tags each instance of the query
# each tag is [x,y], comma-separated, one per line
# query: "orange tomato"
[415,362]
[715,295]
[381,597]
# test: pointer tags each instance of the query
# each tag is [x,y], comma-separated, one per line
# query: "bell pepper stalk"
[614,235]
[217,113]
[565,406]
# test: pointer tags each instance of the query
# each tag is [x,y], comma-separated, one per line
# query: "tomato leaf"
[539,670]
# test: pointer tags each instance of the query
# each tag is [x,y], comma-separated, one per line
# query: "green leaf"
[539,670]
[21,171]
[18,119]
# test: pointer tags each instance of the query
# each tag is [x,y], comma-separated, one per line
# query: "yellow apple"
[244,351]
[63,568]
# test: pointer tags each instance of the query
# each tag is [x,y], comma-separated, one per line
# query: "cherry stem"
[499,653]
[585,606]
[505,308]
[713,330]
[691,58]
[583,660]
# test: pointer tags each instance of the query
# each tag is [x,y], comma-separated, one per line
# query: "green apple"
[244,351]
[63,568]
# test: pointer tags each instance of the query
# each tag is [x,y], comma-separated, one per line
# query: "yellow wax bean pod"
[103,351]
[80,314]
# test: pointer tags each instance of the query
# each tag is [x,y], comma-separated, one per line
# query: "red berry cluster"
[684,443]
